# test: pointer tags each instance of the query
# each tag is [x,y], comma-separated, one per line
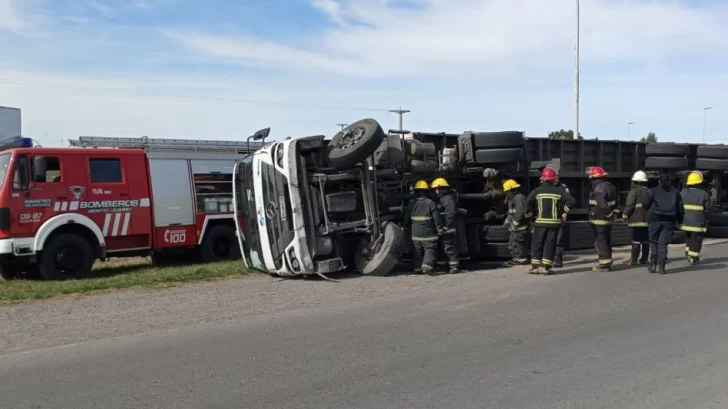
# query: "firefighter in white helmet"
[636,217]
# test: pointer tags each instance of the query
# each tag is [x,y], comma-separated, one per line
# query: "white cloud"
[491,36]
[11,17]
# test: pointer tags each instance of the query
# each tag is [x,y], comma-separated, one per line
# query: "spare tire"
[667,149]
[355,143]
[658,162]
[713,151]
[711,164]
[381,260]
[503,139]
[498,156]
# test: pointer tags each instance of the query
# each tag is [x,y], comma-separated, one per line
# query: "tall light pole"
[576,76]
[341,126]
[629,125]
[400,112]
[705,110]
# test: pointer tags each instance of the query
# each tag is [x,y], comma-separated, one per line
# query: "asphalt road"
[624,339]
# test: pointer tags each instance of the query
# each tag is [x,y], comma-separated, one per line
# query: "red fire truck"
[61,209]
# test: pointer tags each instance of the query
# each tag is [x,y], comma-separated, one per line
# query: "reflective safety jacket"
[548,202]
[696,202]
[517,220]
[634,211]
[424,218]
[448,211]
[602,203]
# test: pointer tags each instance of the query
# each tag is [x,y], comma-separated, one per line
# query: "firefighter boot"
[634,259]
[559,261]
[662,268]
[601,268]
[653,266]
[429,271]
[645,253]
[547,271]
[533,270]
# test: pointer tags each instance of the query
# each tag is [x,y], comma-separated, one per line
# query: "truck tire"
[658,162]
[717,232]
[219,244]
[717,219]
[496,234]
[667,149]
[713,151]
[383,260]
[355,143]
[473,233]
[711,164]
[504,139]
[66,256]
[678,237]
[498,156]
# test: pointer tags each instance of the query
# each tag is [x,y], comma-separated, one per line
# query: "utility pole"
[400,112]
[576,76]
[341,125]
[705,110]
[629,125]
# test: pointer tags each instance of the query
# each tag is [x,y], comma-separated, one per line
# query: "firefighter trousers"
[518,245]
[660,236]
[448,241]
[543,246]
[561,242]
[694,243]
[425,254]
[603,243]
[641,239]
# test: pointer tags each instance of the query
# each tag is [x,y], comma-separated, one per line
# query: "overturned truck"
[317,206]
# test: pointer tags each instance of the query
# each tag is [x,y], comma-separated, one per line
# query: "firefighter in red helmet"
[550,203]
[603,208]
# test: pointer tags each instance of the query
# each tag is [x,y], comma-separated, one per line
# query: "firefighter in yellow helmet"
[424,220]
[517,222]
[448,211]
[696,201]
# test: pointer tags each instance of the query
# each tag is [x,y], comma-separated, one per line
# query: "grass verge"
[119,274]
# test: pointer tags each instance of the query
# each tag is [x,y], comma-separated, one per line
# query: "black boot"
[645,253]
[559,261]
[662,268]
[653,266]
[633,260]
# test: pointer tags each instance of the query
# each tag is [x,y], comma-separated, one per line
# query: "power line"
[195,98]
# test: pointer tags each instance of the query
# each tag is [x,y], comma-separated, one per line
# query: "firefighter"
[448,210]
[561,237]
[636,217]
[517,222]
[664,207]
[424,218]
[696,202]
[602,210]
[550,204]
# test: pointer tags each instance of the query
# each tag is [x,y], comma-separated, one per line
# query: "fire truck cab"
[63,208]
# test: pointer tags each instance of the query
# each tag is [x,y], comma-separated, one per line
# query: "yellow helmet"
[695,178]
[421,185]
[510,184]
[439,182]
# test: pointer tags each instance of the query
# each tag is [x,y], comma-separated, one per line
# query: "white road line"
[107,222]
[125,227]
[117,219]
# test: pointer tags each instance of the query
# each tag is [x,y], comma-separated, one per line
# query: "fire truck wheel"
[667,149]
[355,143]
[66,256]
[713,151]
[219,244]
[659,162]
[381,259]
[712,164]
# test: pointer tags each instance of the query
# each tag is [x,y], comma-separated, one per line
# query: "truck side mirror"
[40,163]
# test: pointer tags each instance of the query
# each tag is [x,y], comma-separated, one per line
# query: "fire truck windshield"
[4,162]
[253,251]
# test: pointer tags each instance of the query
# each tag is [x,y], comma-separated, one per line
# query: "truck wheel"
[219,244]
[713,151]
[496,234]
[498,156]
[667,149]
[66,256]
[711,164]
[381,259]
[355,143]
[658,162]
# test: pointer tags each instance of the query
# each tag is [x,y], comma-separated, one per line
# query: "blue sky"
[222,69]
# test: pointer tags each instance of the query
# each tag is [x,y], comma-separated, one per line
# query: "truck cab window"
[52,171]
[20,176]
[105,170]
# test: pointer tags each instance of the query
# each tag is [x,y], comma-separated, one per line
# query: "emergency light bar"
[16,142]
